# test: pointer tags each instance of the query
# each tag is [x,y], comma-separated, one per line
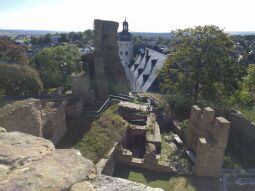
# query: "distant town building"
[125,43]
[142,71]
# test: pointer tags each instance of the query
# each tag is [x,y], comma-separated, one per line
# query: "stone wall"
[107,164]
[54,121]
[241,138]
[29,163]
[81,87]
[207,136]
[109,73]
[43,119]
[23,116]
[74,107]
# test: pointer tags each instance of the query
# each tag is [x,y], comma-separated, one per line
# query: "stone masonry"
[35,117]
[207,136]
[29,163]
[109,73]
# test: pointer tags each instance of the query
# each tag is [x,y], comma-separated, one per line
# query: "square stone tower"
[109,73]
[207,136]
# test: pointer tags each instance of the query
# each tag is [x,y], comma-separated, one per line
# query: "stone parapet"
[207,136]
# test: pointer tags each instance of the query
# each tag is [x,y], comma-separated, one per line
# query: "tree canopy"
[56,64]
[11,52]
[246,93]
[19,80]
[202,64]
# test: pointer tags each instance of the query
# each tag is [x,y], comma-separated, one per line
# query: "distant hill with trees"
[149,35]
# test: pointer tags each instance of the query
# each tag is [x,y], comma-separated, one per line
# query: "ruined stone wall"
[74,107]
[207,136]
[43,119]
[54,121]
[81,86]
[107,164]
[109,73]
[241,138]
[23,116]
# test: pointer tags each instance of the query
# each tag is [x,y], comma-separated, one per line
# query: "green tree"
[63,37]
[19,80]
[48,38]
[12,53]
[56,64]
[201,65]
[246,95]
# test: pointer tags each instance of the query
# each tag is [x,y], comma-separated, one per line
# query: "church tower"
[125,42]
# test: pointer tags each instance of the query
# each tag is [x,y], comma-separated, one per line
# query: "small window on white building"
[126,52]
[121,52]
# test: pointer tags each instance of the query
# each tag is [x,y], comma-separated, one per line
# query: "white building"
[141,72]
[125,42]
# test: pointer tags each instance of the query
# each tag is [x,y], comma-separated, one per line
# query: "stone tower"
[207,136]
[109,73]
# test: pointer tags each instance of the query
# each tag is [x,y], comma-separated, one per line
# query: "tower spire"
[125,25]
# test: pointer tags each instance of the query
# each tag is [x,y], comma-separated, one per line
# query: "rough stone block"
[208,115]
[195,114]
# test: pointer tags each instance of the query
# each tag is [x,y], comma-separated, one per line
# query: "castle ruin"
[207,136]
[109,73]
[104,75]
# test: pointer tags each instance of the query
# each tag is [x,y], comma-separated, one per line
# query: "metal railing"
[110,99]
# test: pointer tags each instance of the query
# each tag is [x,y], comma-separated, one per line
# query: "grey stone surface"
[17,148]
[36,117]
[23,116]
[108,183]
[32,163]
[82,186]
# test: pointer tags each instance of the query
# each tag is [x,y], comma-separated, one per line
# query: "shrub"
[19,80]
[180,104]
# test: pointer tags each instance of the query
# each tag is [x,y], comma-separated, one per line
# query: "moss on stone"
[104,132]
[14,106]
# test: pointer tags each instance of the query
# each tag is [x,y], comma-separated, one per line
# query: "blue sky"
[143,15]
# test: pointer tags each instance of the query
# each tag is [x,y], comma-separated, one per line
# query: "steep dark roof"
[125,36]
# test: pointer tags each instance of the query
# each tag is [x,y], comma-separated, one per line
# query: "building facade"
[125,43]
[141,71]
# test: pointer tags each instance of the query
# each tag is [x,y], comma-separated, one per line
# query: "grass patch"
[166,181]
[248,113]
[166,149]
[230,162]
[104,132]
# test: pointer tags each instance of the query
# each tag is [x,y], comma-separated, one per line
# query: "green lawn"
[166,181]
